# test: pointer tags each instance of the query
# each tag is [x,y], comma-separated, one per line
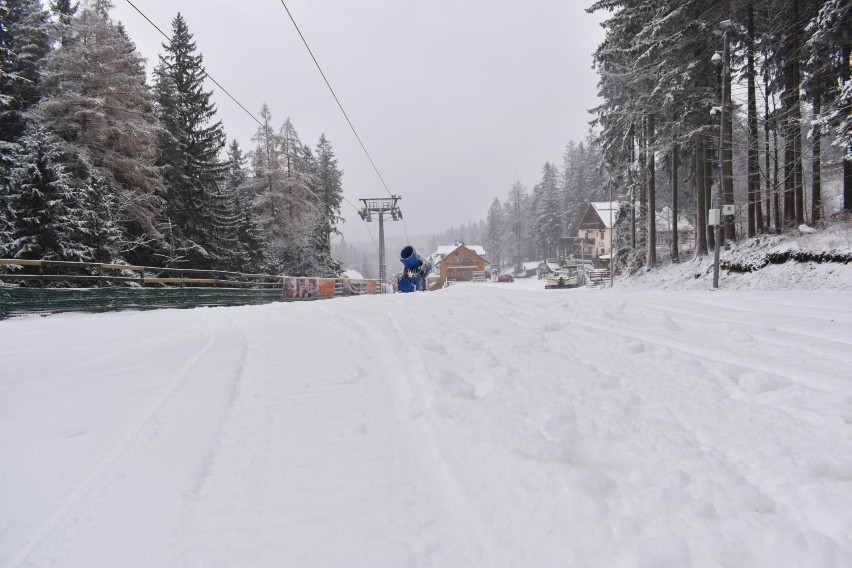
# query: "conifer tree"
[829,50]
[519,222]
[189,151]
[48,221]
[329,191]
[300,208]
[24,42]
[264,188]
[96,101]
[495,229]
[547,209]
[253,247]
[100,215]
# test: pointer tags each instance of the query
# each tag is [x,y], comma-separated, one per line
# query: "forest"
[701,104]
[100,166]
[767,81]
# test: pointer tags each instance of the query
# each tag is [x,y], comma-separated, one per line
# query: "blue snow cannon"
[415,269]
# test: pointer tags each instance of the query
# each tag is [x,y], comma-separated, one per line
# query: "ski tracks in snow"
[319,462]
[154,454]
[476,426]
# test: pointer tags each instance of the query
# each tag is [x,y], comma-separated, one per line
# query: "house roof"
[444,251]
[448,249]
[603,208]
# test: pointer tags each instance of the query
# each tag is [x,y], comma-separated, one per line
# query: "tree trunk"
[768,94]
[797,166]
[708,186]
[633,189]
[675,244]
[789,175]
[701,221]
[755,217]
[816,161]
[642,205]
[847,185]
[796,111]
[776,185]
[651,258]
[727,145]
[847,164]
[766,147]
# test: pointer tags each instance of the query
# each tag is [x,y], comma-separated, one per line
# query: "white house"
[596,227]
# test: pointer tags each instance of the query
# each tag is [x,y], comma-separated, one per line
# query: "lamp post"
[716,212]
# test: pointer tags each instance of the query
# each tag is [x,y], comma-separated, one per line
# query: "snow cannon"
[415,269]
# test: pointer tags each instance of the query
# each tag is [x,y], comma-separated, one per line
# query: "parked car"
[505,278]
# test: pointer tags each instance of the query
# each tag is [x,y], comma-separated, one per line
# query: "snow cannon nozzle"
[409,257]
[415,270]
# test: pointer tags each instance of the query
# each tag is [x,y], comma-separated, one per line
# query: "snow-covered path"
[483,425]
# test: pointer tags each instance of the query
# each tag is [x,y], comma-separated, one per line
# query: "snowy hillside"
[484,425]
[768,262]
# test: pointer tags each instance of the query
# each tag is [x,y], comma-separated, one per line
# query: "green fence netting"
[15,301]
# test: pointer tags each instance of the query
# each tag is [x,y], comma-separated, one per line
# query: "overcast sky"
[454,99]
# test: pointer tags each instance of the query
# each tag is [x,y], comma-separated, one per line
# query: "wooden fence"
[46,287]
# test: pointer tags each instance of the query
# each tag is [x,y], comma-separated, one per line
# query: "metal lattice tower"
[381,206]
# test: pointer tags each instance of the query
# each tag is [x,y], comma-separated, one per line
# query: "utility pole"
[381,206]
[518,203]
[611,239]
[721,210]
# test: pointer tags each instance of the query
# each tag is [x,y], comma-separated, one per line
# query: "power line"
[340,106]
[253,117]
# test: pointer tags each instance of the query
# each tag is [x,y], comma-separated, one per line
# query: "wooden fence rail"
[47,286]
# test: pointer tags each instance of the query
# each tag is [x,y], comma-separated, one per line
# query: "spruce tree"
[252,254]
[547,209]
[189,150]
[495,228]
[24,42]
[100,214]
[329,191]
[48,212]
[829,53]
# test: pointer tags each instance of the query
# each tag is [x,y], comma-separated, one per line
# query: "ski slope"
[487,425]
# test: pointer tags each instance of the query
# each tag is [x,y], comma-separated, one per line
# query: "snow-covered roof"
[444,251]
[603,208]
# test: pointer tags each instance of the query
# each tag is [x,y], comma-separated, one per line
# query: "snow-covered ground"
[484,425]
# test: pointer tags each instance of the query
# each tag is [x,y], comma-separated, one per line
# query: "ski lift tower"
[381,206]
